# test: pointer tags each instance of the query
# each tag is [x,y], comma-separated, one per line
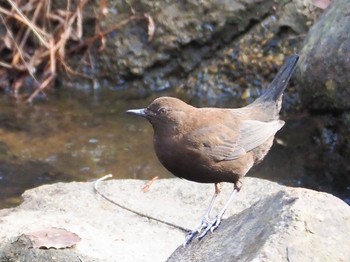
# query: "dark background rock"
[193,42]
[318,146]
[323,79]
[240,70]
[186,33]
[323,83]
[329,156]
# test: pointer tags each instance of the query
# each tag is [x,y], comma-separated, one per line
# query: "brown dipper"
[213,145]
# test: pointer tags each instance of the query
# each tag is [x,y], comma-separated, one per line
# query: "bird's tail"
[279,83]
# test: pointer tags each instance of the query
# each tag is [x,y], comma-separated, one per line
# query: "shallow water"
[80,136]
[71,137]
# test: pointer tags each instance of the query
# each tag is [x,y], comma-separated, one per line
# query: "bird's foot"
[204,224]
[189,237]
[210,227]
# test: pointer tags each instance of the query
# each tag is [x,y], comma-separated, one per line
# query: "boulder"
[322,75]
[108,232]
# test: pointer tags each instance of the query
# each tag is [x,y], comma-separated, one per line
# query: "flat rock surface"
[111,233]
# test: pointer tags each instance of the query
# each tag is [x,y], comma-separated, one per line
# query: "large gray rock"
[291,225]
[110,233]
[322,75]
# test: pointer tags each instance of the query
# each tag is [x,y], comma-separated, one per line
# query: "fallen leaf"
[53,238]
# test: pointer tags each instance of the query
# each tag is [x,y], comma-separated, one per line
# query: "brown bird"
[213,145]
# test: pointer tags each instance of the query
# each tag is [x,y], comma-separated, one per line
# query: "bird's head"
[168,112]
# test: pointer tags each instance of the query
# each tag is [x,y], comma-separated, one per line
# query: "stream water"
[81,136]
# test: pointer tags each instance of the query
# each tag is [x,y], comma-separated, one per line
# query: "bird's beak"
[138,112]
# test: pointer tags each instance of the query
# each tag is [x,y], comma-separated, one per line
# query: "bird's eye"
[162,110]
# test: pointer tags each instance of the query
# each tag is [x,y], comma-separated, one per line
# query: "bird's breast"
[189,162]
[175,155]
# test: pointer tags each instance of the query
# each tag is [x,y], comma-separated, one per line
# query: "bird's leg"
[216,222]
[206,218]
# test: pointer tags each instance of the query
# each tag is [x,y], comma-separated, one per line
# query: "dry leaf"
[53,238]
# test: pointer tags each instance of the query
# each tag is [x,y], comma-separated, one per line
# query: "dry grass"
[38,38]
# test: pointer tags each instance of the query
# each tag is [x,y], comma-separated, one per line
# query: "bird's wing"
[221,143]
[254,133]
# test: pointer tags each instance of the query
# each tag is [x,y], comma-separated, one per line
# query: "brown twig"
[146,187]
[38,39]
[20,53]
[29,24]
[20,19]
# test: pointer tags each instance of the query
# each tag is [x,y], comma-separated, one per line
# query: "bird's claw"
[189,237]
[210,227]
[204,224]
[202,230]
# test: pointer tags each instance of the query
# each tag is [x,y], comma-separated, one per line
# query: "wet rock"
[298,223]
[325,59]
[245,66]
[291,225]
[187,34]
